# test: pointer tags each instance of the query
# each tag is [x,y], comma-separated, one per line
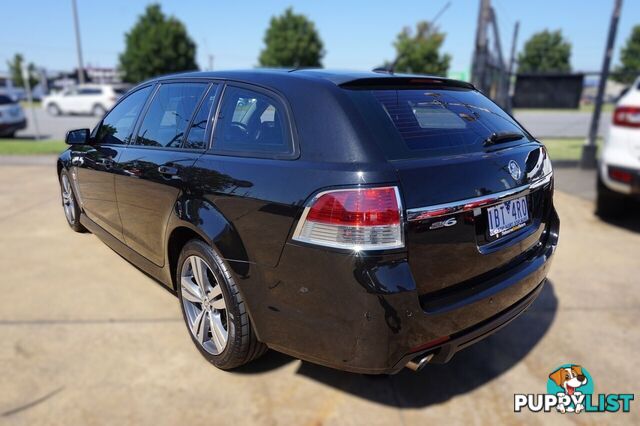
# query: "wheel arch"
[198,219]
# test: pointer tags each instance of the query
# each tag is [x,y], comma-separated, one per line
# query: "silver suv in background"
[12,117]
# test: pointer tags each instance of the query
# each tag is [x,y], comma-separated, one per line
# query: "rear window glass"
[431,122]
[4,100]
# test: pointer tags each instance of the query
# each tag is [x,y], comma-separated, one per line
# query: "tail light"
[627,116]
[356,219]
[620,175]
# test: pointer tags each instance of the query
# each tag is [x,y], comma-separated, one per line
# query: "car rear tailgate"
[446,201]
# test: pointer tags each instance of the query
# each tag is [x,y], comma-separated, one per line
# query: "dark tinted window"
[169,114]
[4,100]
[90,91]
[433,122]
[195,139]
[117,126]
[120,90]
[251,123]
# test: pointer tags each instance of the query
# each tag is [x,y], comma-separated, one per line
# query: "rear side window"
[430,122]
[251,124]
[117,126]
[169,114]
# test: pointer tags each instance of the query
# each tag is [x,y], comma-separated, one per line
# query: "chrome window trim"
[469,204]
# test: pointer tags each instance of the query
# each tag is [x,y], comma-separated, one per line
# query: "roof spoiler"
[397,82]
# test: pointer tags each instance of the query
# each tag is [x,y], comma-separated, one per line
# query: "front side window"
[252,124]
[169,114]
[117,126]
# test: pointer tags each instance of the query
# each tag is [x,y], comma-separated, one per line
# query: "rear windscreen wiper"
[500,137]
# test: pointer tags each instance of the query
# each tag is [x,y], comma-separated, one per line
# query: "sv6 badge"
[443,223]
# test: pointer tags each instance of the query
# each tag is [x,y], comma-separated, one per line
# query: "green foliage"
[291,41]
[629,58]
[31,147]
[15,69]
[545,51]
[419,52]
[157,45]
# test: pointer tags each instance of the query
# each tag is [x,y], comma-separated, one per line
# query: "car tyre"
[70,203]
[10,135]
[54,110]
[98,110]
[609,204]
[213,309]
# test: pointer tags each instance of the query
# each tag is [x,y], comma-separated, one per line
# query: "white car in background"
[94,99]
[619,169]
[12,117]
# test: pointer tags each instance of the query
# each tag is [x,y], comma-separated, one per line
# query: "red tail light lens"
[366,207]
[358,219]
[620,175]
[627,116]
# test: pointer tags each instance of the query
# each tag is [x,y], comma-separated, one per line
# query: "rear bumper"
[7,128]
[363,314]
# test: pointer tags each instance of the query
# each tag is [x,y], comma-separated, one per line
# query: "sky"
[357,34]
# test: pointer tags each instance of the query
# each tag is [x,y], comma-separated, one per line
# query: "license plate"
[508,216]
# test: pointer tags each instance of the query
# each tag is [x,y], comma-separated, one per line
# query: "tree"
[629,58]
[291,41]
[15,68]
[419,52]
[157,45]
[545,51]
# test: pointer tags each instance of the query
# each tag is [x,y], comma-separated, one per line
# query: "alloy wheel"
[204,305]
[68,201]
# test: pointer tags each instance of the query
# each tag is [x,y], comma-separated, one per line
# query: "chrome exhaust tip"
[417,363]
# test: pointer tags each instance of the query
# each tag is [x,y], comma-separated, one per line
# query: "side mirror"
[77,137]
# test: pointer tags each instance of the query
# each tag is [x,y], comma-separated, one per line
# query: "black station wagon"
[363,221]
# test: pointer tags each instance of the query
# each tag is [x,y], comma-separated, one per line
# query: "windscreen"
[431,122]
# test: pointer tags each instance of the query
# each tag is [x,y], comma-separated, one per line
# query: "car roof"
[337,77]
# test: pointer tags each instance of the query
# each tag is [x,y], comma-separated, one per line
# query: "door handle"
[169,171]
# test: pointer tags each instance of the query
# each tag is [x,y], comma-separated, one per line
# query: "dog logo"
[570,379]
[570,389]
[514,170]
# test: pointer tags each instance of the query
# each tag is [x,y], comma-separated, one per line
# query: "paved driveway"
[88,339]
[561,124]
[54,127]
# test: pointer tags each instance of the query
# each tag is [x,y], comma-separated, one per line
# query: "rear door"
[465,168]
[155,168]
[93,164]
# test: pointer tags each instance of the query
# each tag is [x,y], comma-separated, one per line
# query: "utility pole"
[26,76]
[480,53]
[210,56]
[512,63]
[78,44]
[588,160]
[502,92]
